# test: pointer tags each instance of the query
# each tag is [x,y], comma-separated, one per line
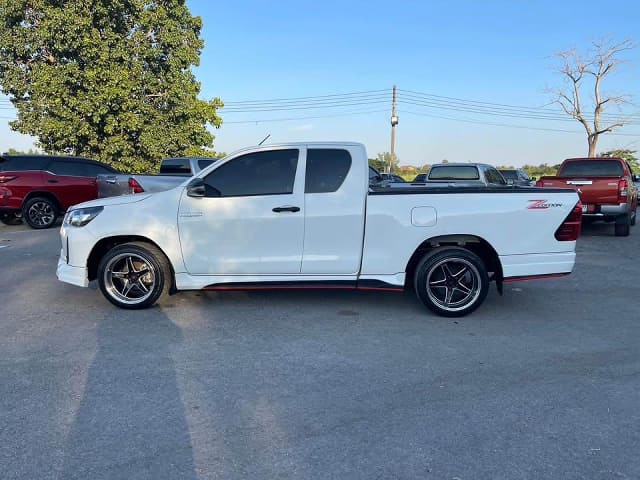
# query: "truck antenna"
[264,139]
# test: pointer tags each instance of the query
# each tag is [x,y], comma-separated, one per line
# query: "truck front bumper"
[70,274]
[77,243]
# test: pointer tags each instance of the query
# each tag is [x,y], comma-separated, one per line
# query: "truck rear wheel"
[451,281]
[623,225]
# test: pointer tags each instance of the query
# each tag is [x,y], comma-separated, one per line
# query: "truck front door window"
[260,173]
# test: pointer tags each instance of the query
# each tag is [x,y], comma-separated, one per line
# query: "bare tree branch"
[598,63]
[609,128]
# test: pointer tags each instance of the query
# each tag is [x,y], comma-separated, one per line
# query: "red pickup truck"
[606,188]
[38,188]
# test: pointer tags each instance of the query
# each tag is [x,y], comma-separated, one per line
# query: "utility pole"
[394,122]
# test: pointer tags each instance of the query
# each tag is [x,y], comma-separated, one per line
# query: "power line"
[265,120]
[276,100]
[306,107]
[477,122]
[439,101]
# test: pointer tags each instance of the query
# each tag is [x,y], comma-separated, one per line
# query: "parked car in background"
[515,176]
[606,188]
[173,172]
[38,188]
[392,177]
[465,174]
[302,215]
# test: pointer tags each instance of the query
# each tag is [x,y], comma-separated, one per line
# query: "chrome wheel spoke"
[438,283]
[127,289]
[142,286]
[464,288]
[448,296]
[446,270]
[122,275]
[461,273]
[130,266]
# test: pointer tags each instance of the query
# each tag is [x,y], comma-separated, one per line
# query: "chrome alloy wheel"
[453,283]
[41,214]
[129,278]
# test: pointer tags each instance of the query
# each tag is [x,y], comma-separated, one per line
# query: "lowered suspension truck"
[304,216]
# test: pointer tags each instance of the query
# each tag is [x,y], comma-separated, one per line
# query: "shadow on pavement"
[131,421]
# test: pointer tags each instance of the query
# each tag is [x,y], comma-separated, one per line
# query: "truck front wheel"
[451,281]
[134,275]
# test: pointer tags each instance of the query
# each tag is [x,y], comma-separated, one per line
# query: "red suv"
[41,187]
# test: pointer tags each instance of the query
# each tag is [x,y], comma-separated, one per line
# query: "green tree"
[541,170]
[377,164]
[14,151]
[385,158]
[628,155]
[107,79]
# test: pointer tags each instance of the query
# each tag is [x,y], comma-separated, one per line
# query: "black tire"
[134,275]
[10,218]
[40,212]
[440,276]
[634,214]
[622,226]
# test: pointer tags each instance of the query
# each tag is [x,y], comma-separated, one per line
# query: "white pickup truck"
[304,215]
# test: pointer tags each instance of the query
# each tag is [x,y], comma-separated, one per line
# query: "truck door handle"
[52,181]
[286,209]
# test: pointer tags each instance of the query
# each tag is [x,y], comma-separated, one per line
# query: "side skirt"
[534,277]
[371,285]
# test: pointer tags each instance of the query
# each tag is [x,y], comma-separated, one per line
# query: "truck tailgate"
[112,185]
[592,190]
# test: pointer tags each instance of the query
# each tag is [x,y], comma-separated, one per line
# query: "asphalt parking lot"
[542,383]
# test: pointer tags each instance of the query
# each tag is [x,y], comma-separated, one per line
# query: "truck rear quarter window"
[510,174]
[270,172]
[175,166]
[202,164]
[592,168]
[326,169]
[454,172]
[494,176]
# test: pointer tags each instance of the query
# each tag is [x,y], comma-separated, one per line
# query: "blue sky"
[488,51]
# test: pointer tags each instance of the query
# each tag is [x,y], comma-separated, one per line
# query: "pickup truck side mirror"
[509,182]
[196,188]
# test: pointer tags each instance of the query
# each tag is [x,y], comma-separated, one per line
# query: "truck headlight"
[81,216]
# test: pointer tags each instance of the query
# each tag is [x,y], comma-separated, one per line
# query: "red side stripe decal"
[534,277]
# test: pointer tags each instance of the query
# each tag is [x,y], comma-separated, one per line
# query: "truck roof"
[594,158]
[462,164]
